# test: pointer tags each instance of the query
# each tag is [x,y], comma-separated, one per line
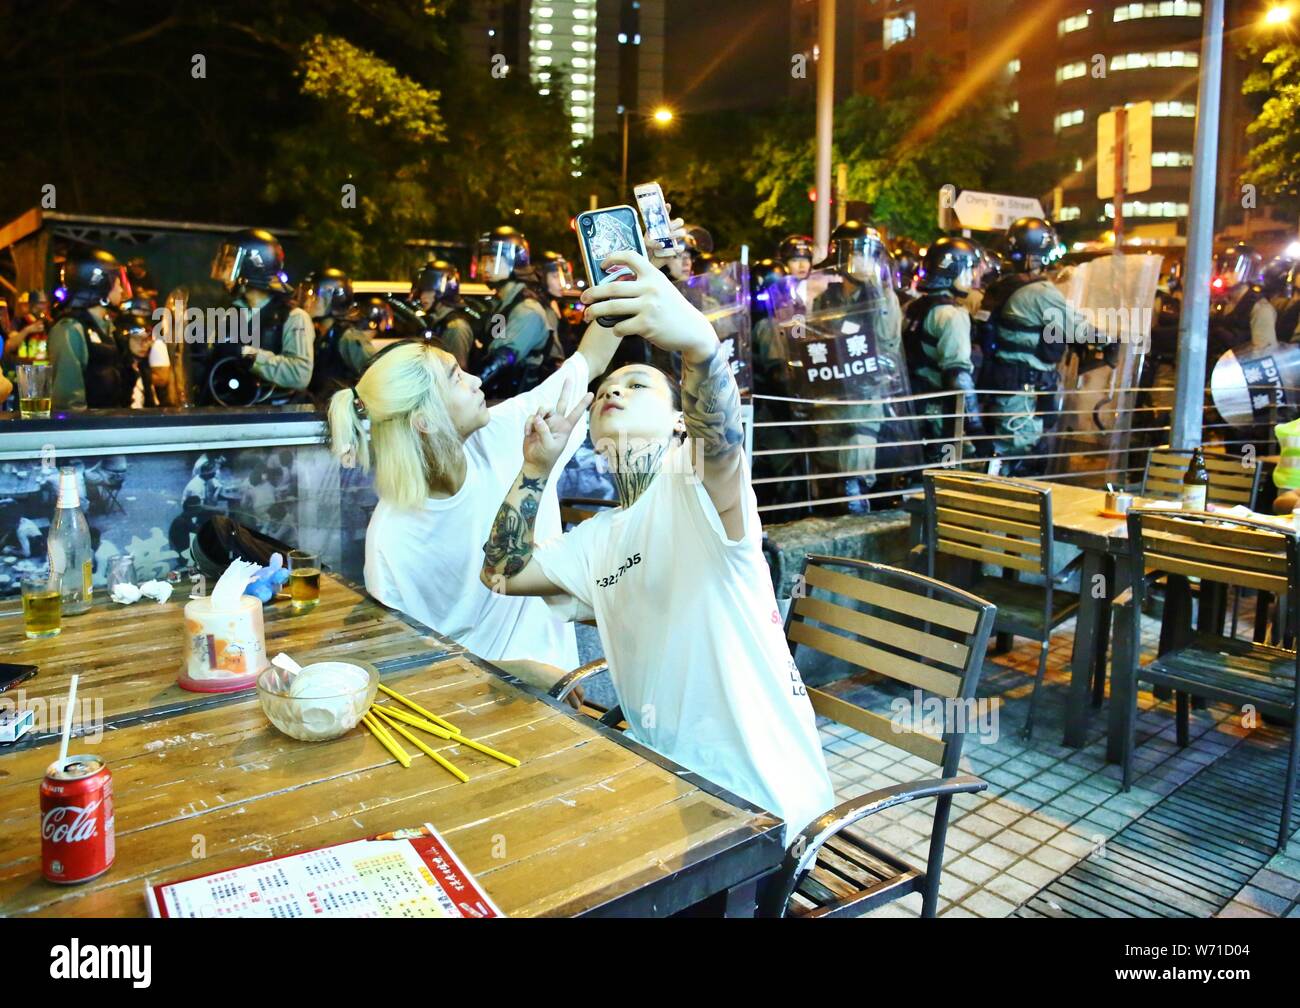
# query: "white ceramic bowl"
[325,700]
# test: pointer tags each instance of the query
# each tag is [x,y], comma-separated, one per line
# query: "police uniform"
[286,344]
[89,368]
[936,342]
[527,332]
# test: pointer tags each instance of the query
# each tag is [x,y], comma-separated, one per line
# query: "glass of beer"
[34,391]
[42,605]
[304,580]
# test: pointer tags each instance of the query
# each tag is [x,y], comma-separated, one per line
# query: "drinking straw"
[67,723]
[386,740]
[446,764]
[418,709]
[433,729]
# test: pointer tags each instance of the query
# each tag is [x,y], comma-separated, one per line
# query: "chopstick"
[433,729]
[446,764]
[386,740]
[418,709]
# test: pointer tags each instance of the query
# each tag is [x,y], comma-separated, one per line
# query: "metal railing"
[1063,452]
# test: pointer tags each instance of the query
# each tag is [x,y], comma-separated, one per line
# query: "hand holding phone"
[602,233]
[663,234]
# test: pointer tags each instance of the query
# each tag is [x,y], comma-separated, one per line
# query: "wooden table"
[128,656]
[590,823]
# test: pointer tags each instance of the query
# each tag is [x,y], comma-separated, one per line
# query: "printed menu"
[406,873]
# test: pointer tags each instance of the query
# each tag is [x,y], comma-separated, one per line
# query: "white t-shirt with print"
[695,643]
[425,562]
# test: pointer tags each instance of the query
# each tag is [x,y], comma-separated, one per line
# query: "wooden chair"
[913,630]
[1201,663]
[1006,523]
[1234,479]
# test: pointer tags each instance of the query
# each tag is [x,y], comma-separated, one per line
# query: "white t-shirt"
[158,357]
[425,562]
[695,643]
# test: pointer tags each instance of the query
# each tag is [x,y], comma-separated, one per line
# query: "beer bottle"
[1196,482]
[69,545]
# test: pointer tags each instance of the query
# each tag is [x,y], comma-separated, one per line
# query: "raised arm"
[508,565]
[658,312]
[599,344]
[711,409]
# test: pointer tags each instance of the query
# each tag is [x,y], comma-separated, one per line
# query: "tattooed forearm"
[510,544]
[635,469]
[711,406]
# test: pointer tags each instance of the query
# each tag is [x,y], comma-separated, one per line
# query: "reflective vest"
[1287,474]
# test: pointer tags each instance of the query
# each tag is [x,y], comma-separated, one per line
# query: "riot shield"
[845,362]
[1115,296]
[722,295]
[1255,390]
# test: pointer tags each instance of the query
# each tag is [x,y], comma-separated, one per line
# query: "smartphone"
[15,675]
[654,211]
[601,233]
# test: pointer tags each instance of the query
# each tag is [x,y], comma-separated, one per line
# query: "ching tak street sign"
[981,211]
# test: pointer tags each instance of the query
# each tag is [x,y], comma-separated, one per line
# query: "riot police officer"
[90,371]
[1242,314]
[278,338]
[861,315]
[342,347]
[519,330]
[937,343]
[771,312]
[557,290]
[435,288]
[907,260]
[1025,337]
[1279,287]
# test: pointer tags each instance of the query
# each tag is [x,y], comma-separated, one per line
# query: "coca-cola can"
[76,820]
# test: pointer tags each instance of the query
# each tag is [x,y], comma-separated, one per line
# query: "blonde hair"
[412,443]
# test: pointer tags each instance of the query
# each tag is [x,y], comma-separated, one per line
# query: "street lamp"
[1278,14]
[662,115]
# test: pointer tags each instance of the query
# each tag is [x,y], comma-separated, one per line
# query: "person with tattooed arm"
[675,575]
[442,459]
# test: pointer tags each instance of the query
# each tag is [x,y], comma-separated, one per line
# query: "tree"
[898,157]
[1273,89]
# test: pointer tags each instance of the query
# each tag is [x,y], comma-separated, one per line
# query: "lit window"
[544,76]
[580,29]
[1072,24]
[579,95]
[1070,71]
[578,46]
[542,60]
[543,44]
[622,38]
[1013,67]
[577,111]
[1067,119]
[545,29]
[1171,159]
[1165,8]
[1145,61]
[544,12]
[899,28]
[579,61]
[1174,110]
[1078,164]
[1014,106]
[1069,213]
[543,91]
[579,78]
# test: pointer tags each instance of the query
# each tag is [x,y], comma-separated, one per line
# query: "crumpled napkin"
[125,593]
[159,591]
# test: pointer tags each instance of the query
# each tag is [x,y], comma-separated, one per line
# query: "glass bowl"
[325,700]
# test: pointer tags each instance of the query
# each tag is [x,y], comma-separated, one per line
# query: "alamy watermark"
[234,325]
[937,716]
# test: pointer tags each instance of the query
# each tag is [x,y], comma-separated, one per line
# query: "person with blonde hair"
[442,460]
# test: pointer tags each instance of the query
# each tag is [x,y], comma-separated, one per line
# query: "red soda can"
[76,820]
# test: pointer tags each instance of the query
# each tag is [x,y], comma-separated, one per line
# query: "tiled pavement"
[1047,806]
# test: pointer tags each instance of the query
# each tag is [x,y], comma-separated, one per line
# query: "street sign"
[1137,158]
[981,211]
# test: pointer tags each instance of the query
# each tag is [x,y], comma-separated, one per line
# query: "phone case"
[654,212]
[600,234]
